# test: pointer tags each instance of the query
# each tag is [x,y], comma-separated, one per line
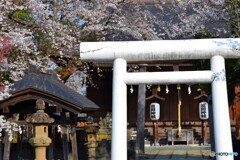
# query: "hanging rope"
[179,133]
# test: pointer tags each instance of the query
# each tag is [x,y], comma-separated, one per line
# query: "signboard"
[203,111]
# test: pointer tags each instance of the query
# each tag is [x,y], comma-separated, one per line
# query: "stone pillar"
[119,111]
[40,141]
[222,131]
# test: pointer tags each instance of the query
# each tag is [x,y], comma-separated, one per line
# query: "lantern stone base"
[40,144]
[40,153]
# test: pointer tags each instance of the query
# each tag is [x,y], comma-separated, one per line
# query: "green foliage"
[232,74]
[43,43]
[203,64]
[232,65]
[233,7]
[22,15]
[90,36]
[5,75]
[203,34]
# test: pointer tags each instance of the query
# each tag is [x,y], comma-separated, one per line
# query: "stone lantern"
[105,125]
[40,121]
[91,138]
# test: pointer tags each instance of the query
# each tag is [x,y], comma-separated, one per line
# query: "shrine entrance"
[121,52]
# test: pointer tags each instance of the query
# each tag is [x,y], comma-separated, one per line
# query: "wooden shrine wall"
[101,94]
[168,107]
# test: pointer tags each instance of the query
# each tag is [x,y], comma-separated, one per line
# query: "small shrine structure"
[53,126]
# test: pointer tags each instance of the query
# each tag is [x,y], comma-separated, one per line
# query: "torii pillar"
[121,52]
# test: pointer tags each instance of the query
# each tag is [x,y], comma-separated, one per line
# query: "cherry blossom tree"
[4,52]
[38,30]
[9,127]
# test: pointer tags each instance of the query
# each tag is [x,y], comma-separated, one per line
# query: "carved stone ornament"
[106,122]
[40,105]
[40,116]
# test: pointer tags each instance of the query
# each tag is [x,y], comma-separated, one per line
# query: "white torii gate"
[122,52]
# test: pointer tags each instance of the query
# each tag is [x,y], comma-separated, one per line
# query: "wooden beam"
[31,93]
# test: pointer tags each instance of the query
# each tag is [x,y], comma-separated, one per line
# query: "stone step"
[178,154]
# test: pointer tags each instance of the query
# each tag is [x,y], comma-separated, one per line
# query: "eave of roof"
[44,84]
[32,93]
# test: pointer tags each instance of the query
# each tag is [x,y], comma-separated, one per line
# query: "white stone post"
[222,130]
[119,111]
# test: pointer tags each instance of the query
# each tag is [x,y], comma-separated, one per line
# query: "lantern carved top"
[40,116]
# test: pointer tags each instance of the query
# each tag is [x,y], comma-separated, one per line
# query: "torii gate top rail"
[160,50]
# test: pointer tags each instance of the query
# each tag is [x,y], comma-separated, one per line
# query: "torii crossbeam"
[122,52]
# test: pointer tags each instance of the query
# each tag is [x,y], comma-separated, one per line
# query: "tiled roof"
[46,82]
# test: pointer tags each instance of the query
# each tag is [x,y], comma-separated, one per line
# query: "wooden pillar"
[1,148]
[141,117]
[19,146]
[64,136]
[205,131]
[74,145]
[211,128]
[73,136]
[155,132]
[7,145]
